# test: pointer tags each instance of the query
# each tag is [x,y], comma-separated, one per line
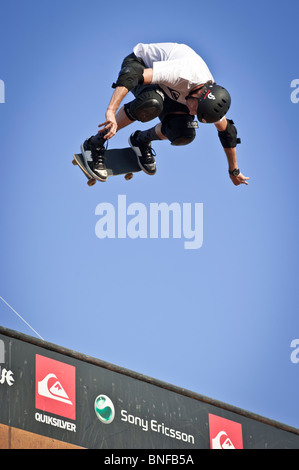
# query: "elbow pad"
[131,73]
[228,137]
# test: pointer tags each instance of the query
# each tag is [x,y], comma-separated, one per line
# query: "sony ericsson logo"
[104,409]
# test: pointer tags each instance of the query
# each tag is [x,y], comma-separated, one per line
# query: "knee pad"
[146,106]
[179,128]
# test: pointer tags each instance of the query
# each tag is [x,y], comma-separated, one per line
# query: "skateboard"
[117,161]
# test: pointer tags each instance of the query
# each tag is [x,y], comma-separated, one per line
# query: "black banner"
[50,392]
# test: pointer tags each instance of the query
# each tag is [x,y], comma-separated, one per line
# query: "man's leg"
[122,119]
[178,128]
[140,141]
[147,136]
[147,105]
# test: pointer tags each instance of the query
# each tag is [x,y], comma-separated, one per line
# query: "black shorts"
[169,105]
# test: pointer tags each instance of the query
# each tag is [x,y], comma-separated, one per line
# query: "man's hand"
[240,179]
[110,125]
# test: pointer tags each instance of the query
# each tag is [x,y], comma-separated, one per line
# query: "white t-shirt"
[176,67]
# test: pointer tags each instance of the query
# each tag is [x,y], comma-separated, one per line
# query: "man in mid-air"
[172,82]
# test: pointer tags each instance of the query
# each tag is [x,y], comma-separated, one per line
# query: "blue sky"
[218,320]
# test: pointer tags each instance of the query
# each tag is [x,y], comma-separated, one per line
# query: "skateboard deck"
[117,161]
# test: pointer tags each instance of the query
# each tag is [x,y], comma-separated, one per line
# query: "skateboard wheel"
[129,176]
[91,182]
[74,162]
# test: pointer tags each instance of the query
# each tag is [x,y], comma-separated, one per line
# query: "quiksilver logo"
[56,391]
[222,441]
[55,387]
[175,94]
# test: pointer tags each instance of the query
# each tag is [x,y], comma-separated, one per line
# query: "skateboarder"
[172,82]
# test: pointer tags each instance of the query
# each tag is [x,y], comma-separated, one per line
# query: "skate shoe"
[145,154]
[94,158]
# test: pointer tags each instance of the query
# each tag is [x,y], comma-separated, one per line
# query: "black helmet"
[213,103]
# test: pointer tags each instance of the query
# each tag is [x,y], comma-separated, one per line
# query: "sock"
[145,137]
[98,140]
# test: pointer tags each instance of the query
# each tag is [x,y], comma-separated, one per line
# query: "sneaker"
[94,159]
[145,154]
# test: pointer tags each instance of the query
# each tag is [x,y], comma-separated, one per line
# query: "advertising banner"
[72,398]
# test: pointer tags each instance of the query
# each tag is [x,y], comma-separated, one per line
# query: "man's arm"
[231,154]
[111,124]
